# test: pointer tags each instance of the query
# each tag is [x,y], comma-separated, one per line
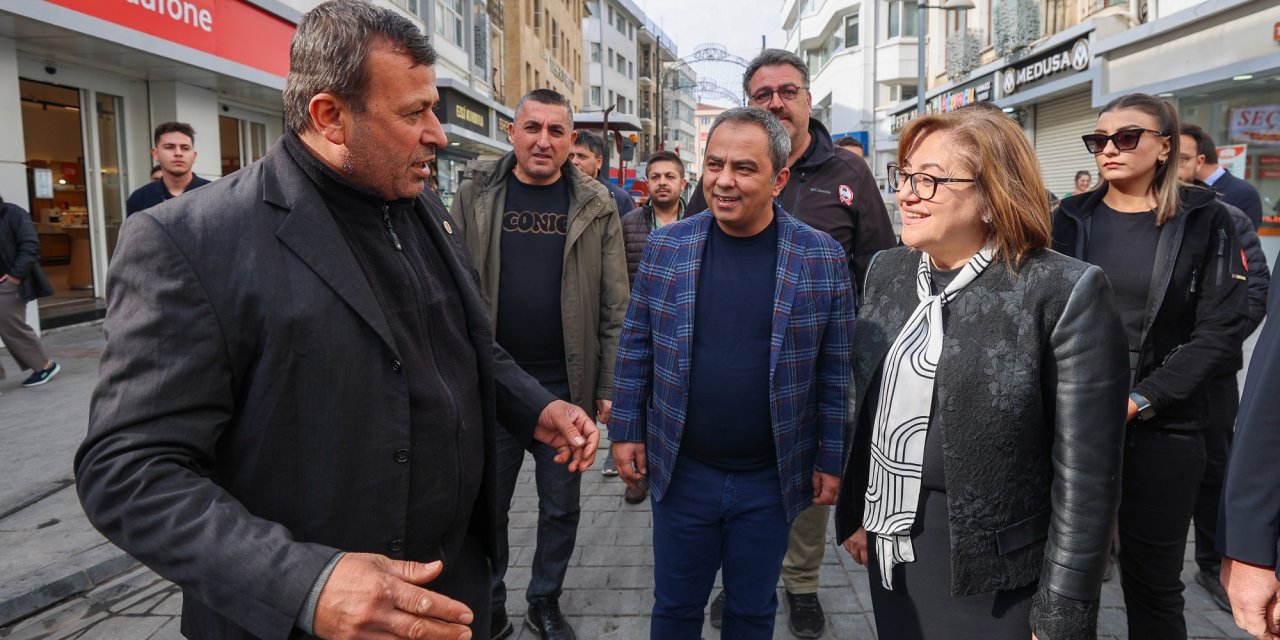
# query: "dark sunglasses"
[1125,140]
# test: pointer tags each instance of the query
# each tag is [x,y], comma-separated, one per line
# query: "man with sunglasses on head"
[832,190]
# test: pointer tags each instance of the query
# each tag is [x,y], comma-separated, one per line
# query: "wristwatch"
[1145,410]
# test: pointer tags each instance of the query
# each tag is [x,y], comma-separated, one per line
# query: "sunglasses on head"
[1125,140]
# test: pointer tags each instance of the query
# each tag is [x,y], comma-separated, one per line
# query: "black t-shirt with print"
[535,224]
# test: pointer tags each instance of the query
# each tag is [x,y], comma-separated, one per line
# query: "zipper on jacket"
[1222,254]
[1195,277]
[795,203]
[386,221]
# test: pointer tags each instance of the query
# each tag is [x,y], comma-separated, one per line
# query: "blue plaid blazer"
[809,362]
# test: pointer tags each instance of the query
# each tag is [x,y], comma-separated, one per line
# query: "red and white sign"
[1269,161]
[1256,124]
[1234,158]
[1269,174]
[230,29]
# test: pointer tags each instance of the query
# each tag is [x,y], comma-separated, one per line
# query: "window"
[622,104]
[621,63]
[611,58]
[449,21]
[595,94]
[631,69]
[851,23]
[611,15]
[957,20]
[595,52]
[555,35]
[611,96]
[902,18]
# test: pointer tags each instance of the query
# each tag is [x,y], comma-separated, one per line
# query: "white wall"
[13,172]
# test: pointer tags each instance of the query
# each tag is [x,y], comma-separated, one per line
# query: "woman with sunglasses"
[986,417]
[1170,253]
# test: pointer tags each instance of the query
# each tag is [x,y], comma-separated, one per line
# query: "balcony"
[1015,25]
[644,76]
[964,52]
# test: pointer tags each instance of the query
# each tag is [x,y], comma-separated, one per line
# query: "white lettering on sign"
[179,11]
[1077,58]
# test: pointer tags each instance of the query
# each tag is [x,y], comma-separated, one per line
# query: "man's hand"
[603,408]
[856,545]
[1253,591]
[373,596]
[825,488]
[13,279]
[627,454]
[573,434]
[1132,412]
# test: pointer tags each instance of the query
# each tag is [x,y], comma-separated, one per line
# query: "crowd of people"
[319,386]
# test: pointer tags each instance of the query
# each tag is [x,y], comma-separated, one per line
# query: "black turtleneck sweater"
[420,300]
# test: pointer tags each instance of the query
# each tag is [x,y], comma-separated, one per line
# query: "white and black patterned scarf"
[902,417]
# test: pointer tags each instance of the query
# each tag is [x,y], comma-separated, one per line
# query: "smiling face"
[1082,183]
[541,137]
[738,178]
[1136,166]
[397,135]
[175,153]
[793,114]
[949,226]
[665,182]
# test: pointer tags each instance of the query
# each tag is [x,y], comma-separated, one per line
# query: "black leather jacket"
[1029,401]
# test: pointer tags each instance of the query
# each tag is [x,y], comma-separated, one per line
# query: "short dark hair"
[773,58]
[666,156]
[330,54]
[173,127]
[849,141]
[1085,174]
[545,96]
[1204,142]
[590,140]
[779,140]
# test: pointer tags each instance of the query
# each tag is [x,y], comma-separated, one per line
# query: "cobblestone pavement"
[608,591]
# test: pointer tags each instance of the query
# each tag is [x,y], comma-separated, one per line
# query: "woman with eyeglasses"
[1170,253]
[986,421]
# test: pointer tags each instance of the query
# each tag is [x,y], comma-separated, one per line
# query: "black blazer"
[1241,194]
[1029,401]
[250,403]
[20,252]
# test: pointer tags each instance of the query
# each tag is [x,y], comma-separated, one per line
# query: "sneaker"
[609,469]
[545,620]
[499,626]
[42,376]
[717,610]
[804,615]
[636,494]
[1209,581]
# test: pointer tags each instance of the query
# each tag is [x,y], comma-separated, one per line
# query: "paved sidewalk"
[62,580]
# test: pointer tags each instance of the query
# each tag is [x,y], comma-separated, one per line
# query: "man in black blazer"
[1233,190]
[299,393]
[1249,524]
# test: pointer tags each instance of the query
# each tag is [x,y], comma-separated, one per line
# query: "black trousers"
[467,579]
[1162,470]
[1224,402]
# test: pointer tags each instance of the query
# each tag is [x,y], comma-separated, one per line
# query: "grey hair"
[330,53]
[779,140]
[545,96]
[773,58]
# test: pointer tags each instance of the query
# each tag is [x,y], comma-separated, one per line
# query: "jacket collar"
[492,174]
[1191,197]
[821,147]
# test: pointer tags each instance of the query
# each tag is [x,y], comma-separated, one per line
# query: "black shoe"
[1209,582]
[804,615]
[717,610]
[499,626]
[545,621]
[636,494]
[42,376]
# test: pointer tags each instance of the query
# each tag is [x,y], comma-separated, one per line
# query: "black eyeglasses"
[924,185]
[787,93]
[1125,140]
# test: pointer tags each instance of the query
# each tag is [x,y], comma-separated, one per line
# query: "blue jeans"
[711,519]
[558,511]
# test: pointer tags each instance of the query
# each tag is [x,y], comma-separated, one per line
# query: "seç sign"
[1073,58]
[1255,124]
[230,29]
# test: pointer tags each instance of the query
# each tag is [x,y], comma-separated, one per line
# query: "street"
[60,579]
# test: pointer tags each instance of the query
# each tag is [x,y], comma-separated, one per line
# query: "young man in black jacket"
[832,190]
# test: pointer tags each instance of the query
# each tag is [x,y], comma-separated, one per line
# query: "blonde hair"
[1165,185]
[992,147]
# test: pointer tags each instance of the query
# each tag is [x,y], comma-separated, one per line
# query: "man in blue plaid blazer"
[731,381]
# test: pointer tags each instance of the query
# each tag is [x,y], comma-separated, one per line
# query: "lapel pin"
[448,228]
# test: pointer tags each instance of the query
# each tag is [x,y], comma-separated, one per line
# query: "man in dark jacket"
[22,281]
[303,436]
[831,190]
[587,155]
[175,155]
[1233,190]
[1224,390]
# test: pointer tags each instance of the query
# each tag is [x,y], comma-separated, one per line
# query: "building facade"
[543,48]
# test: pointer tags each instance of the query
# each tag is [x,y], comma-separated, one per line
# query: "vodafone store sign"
[230,29]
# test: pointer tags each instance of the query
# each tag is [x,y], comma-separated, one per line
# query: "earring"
[986,219]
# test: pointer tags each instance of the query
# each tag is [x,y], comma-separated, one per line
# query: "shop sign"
[504,123]
[231,29]
[979,90]
[1269,174]
[1255,124]
[1070,59]
[558,71]
[459,110]
[1269,161]
[1234,158]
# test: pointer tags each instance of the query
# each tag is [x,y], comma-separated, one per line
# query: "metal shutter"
[1059,124]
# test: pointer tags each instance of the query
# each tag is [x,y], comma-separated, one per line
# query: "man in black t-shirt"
[547,242]
[175,154]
